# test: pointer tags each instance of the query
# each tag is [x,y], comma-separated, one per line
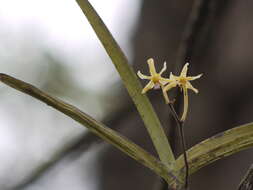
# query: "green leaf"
[109,135]
[132,84]
[217,147]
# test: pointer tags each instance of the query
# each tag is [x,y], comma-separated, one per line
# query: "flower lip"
[156,78]
[182,80]
[157,86]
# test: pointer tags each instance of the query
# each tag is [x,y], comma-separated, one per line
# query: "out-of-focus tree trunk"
[222,50]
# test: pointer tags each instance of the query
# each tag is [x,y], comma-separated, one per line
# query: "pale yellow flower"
[156,80]
[183,82]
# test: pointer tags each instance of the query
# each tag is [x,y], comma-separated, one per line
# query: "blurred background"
[51,45]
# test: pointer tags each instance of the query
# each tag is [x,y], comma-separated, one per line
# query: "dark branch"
[190,33]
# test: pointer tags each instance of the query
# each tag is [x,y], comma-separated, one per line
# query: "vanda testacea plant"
[173,170]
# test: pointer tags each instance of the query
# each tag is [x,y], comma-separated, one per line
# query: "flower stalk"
[157,81]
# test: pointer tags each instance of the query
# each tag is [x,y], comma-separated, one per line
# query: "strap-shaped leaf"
[217,147]
[132,84]
[109,135]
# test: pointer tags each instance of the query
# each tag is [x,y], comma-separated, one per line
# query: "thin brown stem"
[183,142]
[185,155]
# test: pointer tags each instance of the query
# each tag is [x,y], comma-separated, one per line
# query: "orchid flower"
[183,82]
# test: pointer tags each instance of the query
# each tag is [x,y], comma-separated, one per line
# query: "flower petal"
[169,86]
[151,65]
[184,70]
[195,77]
[189,86]
[173,77]
[164,81]
[185,104]
[165,95]
[163,69]
[142,76]
[149,86]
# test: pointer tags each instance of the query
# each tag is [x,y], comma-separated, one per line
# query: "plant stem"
[180,124]
[183,142]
